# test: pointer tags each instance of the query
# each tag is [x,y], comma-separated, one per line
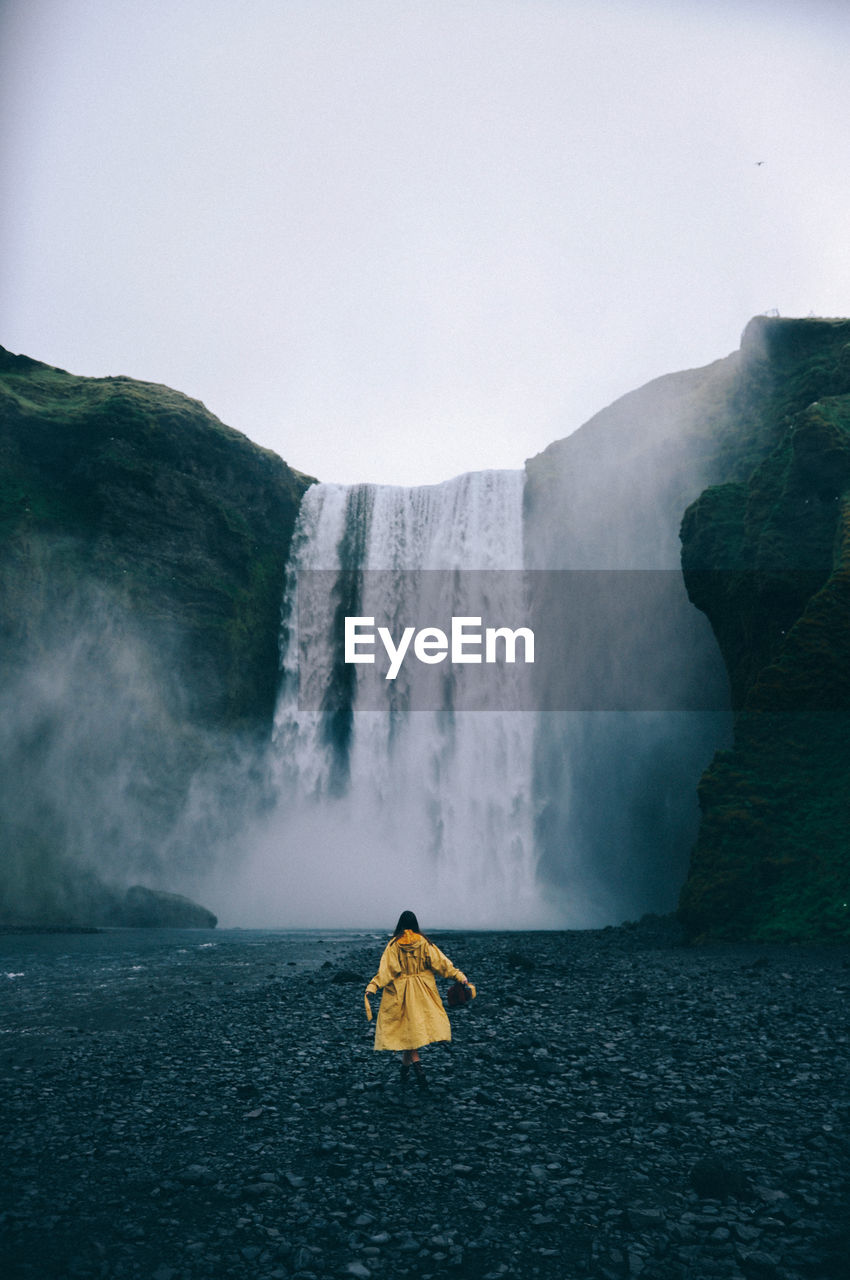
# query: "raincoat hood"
[411,949]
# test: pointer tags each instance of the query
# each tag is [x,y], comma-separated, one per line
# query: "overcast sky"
[398,240]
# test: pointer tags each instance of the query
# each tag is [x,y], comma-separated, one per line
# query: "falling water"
[391,807]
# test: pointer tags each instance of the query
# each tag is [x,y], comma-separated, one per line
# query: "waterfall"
[385,804]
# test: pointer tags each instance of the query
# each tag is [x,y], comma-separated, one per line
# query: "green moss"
[768,560]
[182,518]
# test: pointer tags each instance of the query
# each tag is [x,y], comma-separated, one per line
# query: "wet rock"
[717,1178]
[758,1264]
[197,1175]
[645,1219]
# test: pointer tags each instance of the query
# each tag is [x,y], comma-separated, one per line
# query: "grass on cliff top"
[60,396]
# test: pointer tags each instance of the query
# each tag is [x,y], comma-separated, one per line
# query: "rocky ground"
[181,1106]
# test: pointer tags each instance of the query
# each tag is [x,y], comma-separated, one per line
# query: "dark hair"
[407,920]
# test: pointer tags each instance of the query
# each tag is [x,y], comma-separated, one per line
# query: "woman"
[411,1013]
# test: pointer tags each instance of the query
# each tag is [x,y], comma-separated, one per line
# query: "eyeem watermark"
[432,645]
[448,640]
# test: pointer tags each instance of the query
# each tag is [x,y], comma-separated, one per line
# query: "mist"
[616,777]
[573,806]
[105,780]
[389,790]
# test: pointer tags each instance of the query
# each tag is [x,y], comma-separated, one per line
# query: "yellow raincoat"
[411,1012]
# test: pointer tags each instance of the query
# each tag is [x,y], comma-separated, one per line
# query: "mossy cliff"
[767,557]
[142,553]
[140,488]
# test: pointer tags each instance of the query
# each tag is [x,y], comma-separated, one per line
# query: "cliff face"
[616,808]
[651,453]
[765,469]
[142,554]
[768,560]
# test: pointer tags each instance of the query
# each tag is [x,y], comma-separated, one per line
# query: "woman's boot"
[420,1076]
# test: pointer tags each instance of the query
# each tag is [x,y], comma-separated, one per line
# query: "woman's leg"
[410,1058]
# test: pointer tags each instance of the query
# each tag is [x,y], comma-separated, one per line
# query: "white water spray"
[432,809]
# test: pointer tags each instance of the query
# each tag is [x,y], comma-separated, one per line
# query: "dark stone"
[197,1175]
[718,1178]
[644,1219]
[632,996]
[758,1264]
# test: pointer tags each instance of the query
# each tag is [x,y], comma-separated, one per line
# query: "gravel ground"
[181,1106]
